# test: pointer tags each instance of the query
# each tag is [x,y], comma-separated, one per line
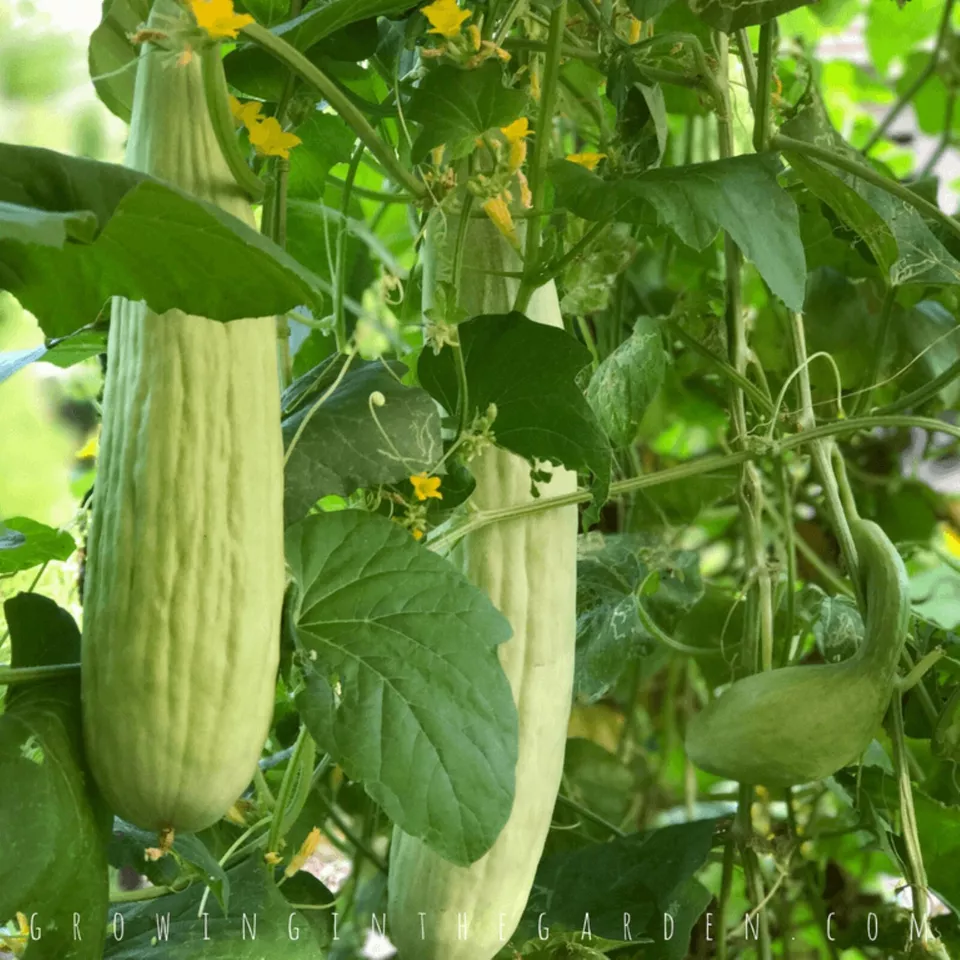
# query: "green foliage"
[54,826]
[540,412]
[435,748]
[350,441]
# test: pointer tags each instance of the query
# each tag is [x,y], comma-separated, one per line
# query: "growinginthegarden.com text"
[161,926]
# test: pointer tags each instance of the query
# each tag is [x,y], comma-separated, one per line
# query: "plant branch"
[922,394]
[761,110]
[11,676]
[541,152]
[288,55]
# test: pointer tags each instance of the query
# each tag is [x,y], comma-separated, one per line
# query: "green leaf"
[62,352]
[610,635]
[730,15]
[53,825]
[422,712]
[645,875]
[267,12]
[188,860]
[455,106]
[324,17]
[850,207]
[327,141]
[541,413]
[112,57]
[931,334]
[922,258]
[152,239]
[261,923]
[740,195]
[48,229]
[343,447]
[40,544]
[647,9]
[627,381]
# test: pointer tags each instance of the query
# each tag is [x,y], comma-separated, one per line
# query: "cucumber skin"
[185,570]
[803,723]
[527,566]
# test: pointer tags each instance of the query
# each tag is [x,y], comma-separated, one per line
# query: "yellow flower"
[272,859]
[497,210]
[635,27]
[271,140]
[526,197]
[246,113]
[952,541]
[445,17]
[219,18]
[304,853]
[90,449]
[516,134]
[417,534]
[425,487]
[588,160]
[474,31]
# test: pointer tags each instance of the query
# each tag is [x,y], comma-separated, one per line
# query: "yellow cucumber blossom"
[445,17]
[588,160]
[636,26]
[497,210]
[246,113]
[271,140]
[425,486]
[218,18]
[516,134]
[305,852]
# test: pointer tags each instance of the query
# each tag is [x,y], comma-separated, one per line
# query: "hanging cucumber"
[527,566]
[803,723]
[185,567]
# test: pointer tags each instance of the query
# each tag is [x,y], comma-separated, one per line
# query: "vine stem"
[758,623]
[216,95]
[692,468]
[820,449]
[292,58]
[304,747]
[761,112]
[921,79]
[588,814]
[916,873]
[339,290]
[11,676]
[541,153]
[856,168]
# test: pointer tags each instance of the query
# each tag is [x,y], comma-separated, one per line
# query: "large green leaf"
[627,381]
[403,685]
[454,106]
[541,412]
[347,444]
[327,141]
[261,923]
[112,57]
[60,351]
[627,884]
[741,196]
[37,543]
[155,243]
[610,634]
[54,826]
[324,17]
